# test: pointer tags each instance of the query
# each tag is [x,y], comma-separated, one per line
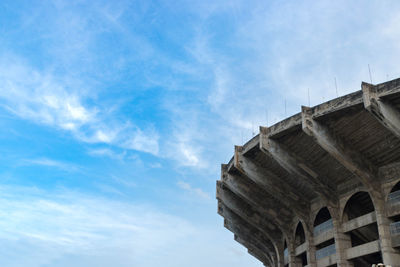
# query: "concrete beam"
[362,250]
[285,126]
[247,237]
[359,222]
[301,248]
[296,166]
[251,212]
[383,111]
[268,217]
[243,224]
[324,236]
[255,252]
[361,167]
[340,104]
[327,261]
[250,145]
[256,197]
[388,88]
[271,183]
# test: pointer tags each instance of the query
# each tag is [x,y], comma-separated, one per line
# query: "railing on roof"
[325,252]
[323,227]
[395,228]
[394,197]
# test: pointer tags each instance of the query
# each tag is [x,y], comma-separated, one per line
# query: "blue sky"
[116,115]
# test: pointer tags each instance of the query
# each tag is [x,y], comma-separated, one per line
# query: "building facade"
[322,187]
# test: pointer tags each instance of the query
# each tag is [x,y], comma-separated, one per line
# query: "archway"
[285,254]
[323,234]
[393,210]
[300,239]
[394,195]
[359,222]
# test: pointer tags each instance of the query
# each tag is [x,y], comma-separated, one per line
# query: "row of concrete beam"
[262,209]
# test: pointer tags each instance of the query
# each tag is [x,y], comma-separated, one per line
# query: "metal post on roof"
[370,76]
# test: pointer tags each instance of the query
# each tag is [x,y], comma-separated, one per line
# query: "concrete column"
[389,255]
[311,260]
[342,242]
[280,256]
[293,261]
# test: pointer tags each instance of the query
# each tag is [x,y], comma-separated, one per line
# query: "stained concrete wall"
[318,158]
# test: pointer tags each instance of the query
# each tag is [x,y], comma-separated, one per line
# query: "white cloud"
[124,181]
[189,156]
[50,163]
[33,95]
[101,152]
[43,99]
[72,223]
[66,228]
[193,190]
[185,146]
[271,55]
[139,140]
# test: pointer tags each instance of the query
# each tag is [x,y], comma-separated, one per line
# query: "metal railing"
[323,227]
[394,197]
[395,228]
[325,252]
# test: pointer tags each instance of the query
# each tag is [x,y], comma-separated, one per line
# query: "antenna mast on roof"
[370,76]
[285,107]
[337,93]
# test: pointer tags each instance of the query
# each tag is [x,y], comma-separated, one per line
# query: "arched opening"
[396,188]
[323,234]
[285,254]
[300,239]
[300,236]
[323,221]
[358,205]
[394,195]
[393,209]
[359,223]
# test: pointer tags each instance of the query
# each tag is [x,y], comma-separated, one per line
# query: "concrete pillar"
[389,255]
[293,261]
[280,256]
[342,241]
[311,260]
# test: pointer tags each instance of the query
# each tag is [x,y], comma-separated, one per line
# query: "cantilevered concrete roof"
[313,156]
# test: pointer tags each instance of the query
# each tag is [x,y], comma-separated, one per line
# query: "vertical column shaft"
[389,255]
[342,243]
[311,259]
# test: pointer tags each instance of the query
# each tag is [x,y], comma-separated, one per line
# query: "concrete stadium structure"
[322,187]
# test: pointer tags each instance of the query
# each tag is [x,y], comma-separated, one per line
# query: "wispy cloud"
[193,190]
[272,54]
[67,228]
[101,152]
[72,223]
[44,99]
[46,162]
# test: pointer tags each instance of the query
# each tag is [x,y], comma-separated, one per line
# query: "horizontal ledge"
[359,222]
[301,248]
[323,236]
[362,250]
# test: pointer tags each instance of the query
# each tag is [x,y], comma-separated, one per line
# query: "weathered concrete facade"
[321,188]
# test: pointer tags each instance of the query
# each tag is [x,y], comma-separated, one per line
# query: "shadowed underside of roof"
[272,181]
